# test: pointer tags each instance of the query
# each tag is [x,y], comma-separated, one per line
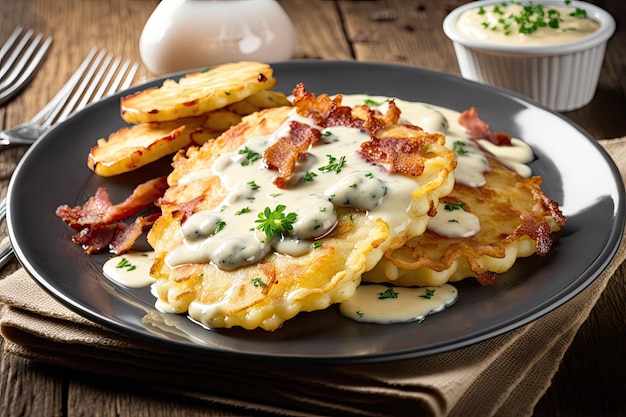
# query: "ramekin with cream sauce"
[558,67]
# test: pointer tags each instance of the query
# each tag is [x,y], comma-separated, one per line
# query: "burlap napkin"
[503,376]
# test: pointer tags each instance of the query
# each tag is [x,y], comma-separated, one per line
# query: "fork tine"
[87,79]
[10,63]
[130,77]
[52,109]
[107,78]
[6,47]
[93,83]
[15,52]
[24,71]
[20,57]
[121,83]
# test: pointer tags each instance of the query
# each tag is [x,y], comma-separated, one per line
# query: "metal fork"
[74,96]
[18,68]
[98,71]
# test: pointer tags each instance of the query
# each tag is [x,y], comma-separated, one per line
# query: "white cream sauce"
[454,221]
[373,303]
[515,157]
[492,24]
[472,162]
[131,269]
[331,174]
[228,235]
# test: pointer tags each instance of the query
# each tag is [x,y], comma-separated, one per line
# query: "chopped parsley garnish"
[369,175]
[370,102]
[258,282]
[308,177]
[429,294]
[333,164]
[459,147]
[317,245]
[220,227]
[579,13]
[242,211]
[251,156]
[125,264]
[388,293]
[273,222]
[352,185]
[458,206]
[253,185]
[530,18]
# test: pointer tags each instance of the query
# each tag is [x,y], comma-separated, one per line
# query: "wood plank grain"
[124,398]
[28,391]
[318,29]
[399,31]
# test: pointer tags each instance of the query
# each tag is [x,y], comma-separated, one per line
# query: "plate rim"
[605,256]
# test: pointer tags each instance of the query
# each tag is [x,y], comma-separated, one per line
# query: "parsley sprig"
[273,222]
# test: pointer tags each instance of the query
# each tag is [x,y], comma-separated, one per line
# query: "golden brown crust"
[285,285]
[197,93]
[516,219]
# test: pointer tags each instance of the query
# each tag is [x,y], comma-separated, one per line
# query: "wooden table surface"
[590,380]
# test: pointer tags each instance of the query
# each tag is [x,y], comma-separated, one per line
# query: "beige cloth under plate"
[502,376]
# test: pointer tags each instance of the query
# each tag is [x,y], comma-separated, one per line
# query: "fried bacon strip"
[478,129]
[398,154]
[284,153]
[99,223]
[326,112]
[318,108]
[126,234]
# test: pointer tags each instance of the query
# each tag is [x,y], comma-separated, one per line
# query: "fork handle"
[19,135]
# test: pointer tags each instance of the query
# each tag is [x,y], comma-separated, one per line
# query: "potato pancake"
[496,213]
[284,212]
[197,93]
[511,216]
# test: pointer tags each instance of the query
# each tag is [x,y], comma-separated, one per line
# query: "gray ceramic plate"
[578,174]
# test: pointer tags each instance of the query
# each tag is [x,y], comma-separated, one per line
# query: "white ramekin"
[562,77]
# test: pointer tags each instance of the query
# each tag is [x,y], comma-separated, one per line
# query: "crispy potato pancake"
[266,293]
[198,93]
[516,219]
[132,147]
